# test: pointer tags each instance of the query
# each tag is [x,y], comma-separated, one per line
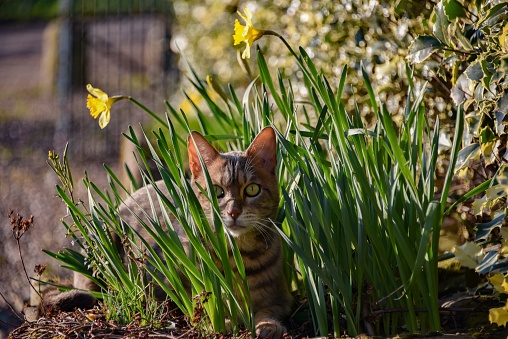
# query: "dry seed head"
[39,269]
[19,225]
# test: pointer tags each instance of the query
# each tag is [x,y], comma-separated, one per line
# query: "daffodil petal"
[248,14]
[97,93]
[246,52]
[247,33]
[104,119]
[247,17]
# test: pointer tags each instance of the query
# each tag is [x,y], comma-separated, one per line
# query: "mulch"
[92,324]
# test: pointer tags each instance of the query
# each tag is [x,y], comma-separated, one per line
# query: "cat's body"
[247,190]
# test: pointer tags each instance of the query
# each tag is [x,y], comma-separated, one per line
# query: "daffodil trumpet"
[99,103]
[248,33]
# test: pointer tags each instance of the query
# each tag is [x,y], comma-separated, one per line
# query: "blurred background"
[50,50]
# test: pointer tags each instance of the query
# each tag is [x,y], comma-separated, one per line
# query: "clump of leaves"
[470,40]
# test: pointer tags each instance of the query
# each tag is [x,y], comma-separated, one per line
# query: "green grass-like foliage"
[128,294]
[358,210]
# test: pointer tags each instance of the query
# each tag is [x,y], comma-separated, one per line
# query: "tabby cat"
[247,190]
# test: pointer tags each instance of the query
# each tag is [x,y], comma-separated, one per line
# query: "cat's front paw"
[271,329]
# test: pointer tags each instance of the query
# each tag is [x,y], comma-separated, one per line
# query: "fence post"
[64,74]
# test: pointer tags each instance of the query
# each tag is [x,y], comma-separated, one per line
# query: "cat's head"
[245,182]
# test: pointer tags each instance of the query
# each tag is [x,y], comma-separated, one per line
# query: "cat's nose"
[234,212]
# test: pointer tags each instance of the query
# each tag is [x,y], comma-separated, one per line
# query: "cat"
[246,187]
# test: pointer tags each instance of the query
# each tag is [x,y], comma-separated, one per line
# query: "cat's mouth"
[235,229]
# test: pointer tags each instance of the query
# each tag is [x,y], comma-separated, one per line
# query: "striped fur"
[248,218]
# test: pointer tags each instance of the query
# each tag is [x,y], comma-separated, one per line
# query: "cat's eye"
[219,192]
[252,190]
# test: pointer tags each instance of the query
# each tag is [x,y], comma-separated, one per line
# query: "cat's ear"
[207,151]
[263,150]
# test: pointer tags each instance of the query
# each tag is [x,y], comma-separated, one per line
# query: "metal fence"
[122,47]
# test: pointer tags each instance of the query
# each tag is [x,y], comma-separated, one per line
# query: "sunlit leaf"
[500,122]
[502,176]
[496,13]
[502,103]
[462,173]
[479,205]
[499,315]
[503,37]
[462,90]
[498,280]
[495,192]
[473,121]
[440,28]
[466,44]
[483,230]
[469,254]
[487,140]
[474,72]
[493,263]
[422,48]
[466,155]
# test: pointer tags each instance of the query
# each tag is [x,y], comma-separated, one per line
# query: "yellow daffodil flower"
[247,33]
[99,104]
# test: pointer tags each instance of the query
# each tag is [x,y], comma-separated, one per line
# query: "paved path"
[20,54]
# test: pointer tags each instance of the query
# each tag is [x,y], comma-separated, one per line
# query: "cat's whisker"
[265,230]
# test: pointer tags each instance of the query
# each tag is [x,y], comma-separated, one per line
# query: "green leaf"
[440,28]
[474,72]
[486,135]
[468,153]
[454,155]
[466,44]
[486,67]
[398,153]
[368,85]
[477,190]
[453,9]
[494,15]
[422,48]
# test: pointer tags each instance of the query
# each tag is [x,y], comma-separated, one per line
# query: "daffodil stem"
[152,114]
[268,32]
